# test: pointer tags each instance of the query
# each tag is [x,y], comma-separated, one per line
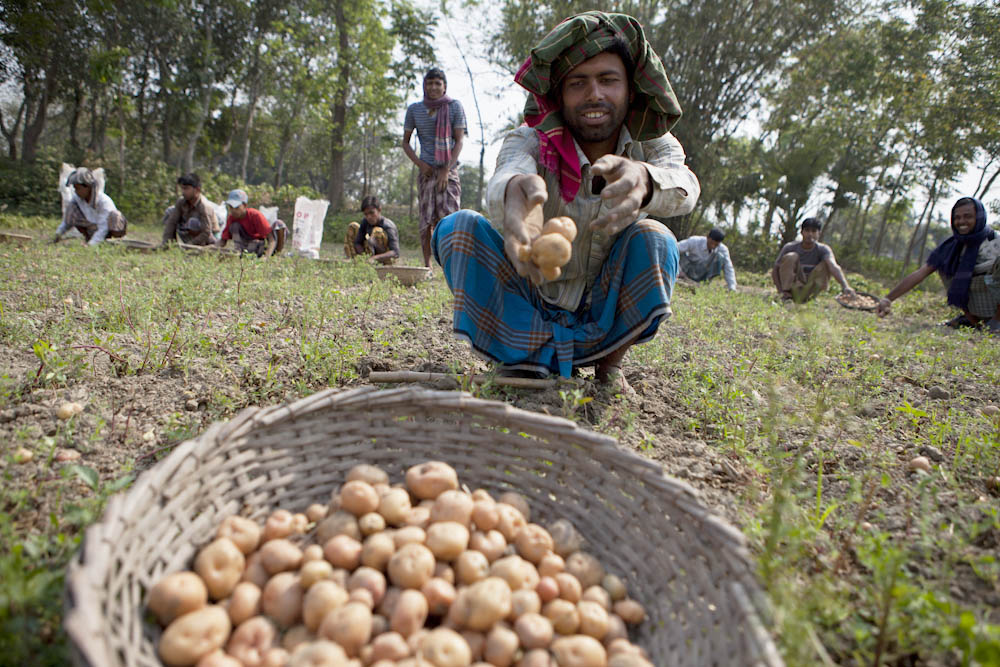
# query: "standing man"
[803,268]
[375,234]
[704,257]
[91,211]
[596,148]
[440,125]
[192,218]
[248,227]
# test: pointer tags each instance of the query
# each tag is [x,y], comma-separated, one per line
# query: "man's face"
[82,191]
[963,218]
[595,98]
[190,192]
[238,212]
[372,215]
[712,244]
[810,235]
[434,88]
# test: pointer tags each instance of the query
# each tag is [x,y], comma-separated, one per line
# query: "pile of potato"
[421,574]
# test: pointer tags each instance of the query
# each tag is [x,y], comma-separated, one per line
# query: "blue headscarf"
[955,258]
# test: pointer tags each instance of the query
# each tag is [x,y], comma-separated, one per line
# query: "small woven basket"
[408,276]
[689,568]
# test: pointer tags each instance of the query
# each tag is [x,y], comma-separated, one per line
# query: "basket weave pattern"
[690,569]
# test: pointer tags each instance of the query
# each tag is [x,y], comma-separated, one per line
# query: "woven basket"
[408,276]
[690,569]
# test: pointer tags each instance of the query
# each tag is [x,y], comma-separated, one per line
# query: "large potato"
[349,626]
[444,647]
[321,598]
[453,505]
[220,565]
[579,651]
[244,603]
[586,568]
[431,479]
[251,640]
[368,473]
[447,539]
[282,598]
[358,498]
[175,595]
[481,605]
[410,612]
[194,635]
[411,566]
[244,533]
[280,555]
[320,653]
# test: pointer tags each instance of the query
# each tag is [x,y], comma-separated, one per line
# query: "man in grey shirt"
[803,268]
[704,257]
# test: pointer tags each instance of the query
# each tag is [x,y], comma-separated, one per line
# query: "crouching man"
[91,212]
[249,229]
[192,218]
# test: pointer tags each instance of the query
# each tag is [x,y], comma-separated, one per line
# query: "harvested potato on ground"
[599,595]
[551,564]
[245,533]
[569,587]
[371,523]
[564,616]
[547,589]
[389,646]
[376,550]
[523,602]
[533,542]
[471,566]
[517,501]
[254,571]
[194,635]
[431,479]
[312,552]
[275,657]
[484,511]
[409,535]
[251,640]
[316,512]
[218,658]
[593,619]
[517,572]
[175,595]
[511,521]
[491,544]
[220,565]
[440,594]
[616,629]
[579,651]
[444,647]
[538,657]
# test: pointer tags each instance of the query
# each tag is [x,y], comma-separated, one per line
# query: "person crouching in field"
[249,229]
[375,235]
[704,257]
[90,212]
[803,268]
[192,218]
[968,262]
[596,148]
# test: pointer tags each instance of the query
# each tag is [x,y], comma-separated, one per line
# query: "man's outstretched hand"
[628,184]
[524,192]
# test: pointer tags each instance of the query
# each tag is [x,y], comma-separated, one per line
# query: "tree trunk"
[74,118]
[11,135]
[36,111]
[888,207]
[335,191]
[206,102]
[916,230]
[254,95]
[164,94]
[121,142]
[927,230]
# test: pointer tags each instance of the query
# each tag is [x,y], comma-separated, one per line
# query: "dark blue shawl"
[955,258]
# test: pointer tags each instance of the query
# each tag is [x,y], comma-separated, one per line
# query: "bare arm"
[838,274]
[904,286]
[425,168]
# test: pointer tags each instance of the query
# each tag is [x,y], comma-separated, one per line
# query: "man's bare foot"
[611,378]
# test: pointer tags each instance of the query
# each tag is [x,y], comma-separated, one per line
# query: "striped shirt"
[663,157]
[418,119]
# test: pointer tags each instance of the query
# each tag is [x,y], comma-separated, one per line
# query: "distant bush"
[30,189]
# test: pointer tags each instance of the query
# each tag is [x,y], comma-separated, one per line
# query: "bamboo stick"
[415,376]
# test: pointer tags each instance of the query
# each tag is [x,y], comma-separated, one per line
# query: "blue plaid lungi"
[504,319]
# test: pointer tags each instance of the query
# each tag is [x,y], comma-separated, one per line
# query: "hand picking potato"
[194,635]
[177,594]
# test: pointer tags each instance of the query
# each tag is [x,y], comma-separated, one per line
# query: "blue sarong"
[504,319]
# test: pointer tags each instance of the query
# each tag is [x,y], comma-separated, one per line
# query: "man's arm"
[902,287]
[774,269]
[838,273]
[170,224]
[106,206]
[359,238]
[424,168]
[442,175]
[727,268]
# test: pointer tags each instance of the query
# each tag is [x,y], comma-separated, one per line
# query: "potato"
[562,225]
[569,587]
[511,521]
[388,601]
[312,552]
[254,571]
[501,646]
[440,595]
[453,505]
[350,626]
[275,657]
[371,580]
[482,604]
[300,523]
[194,635]
[538,657]
[418,516]
[411,566]
[534,631]
[616,629]
[250,640]
[476,642]
[579,651]
[175,595]
[446,648]
[409,535]
[371,523]
[565,537]
[593,619]
[533,543]
[320,653]
[313,571]
[524,601]
[220,565]
[389,646]
[471,566]
[244,533]
[321,598]
[564,616]
[316,512]
[517,572]
[586,568]
[395,507]
[244,603]
[376,550]
[484,512]
[218,658]
[444,571]
[491,544]
[282,598]
[358,498]
[338,523]
[431,479]
[296,635]
[364,596]
[547,589]
[280,555]
[630,611]
[279,524]
[447,539]
[368,473]
[410,612]
[551,564]
[343,552]
[549,252]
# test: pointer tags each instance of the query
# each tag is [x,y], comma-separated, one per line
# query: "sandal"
[962,322]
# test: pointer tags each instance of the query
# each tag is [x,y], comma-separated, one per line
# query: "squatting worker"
[803,268]
[192,218]
[249,229]
[440,124]
[375,234]
[704,257]
[596,148]
[968,262]
[91,211]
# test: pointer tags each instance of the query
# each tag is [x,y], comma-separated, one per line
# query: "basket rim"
[90,566]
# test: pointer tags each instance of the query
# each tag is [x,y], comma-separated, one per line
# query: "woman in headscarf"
[968,262]
[91,211]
